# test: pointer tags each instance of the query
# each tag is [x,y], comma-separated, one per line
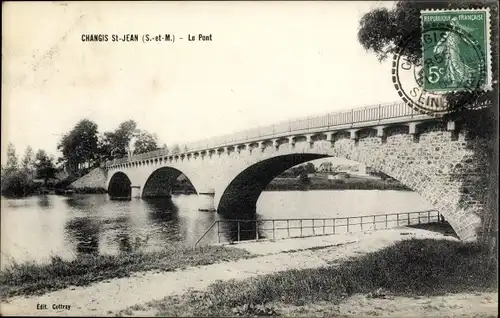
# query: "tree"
[28,162]
[115,144]
[12,161]
[104,147]
[176,149]
[382,31]
[298,170]
[122,137]
[310,167]
[44,166]
[165,148]
[304,178]
[14,182]
[80,144]
[145,142]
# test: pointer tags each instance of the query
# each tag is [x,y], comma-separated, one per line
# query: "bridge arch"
[119,185]
[427,166]
[241,195]
[160,182]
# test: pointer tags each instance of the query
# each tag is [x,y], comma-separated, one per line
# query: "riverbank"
[37,279]
[317,183]
[281,277]
[442,274]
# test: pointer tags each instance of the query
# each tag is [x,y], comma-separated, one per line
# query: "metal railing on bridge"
[359,115]
[374,114]
[231,231]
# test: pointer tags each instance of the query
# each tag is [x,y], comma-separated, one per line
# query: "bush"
[17,184]
[62,184]
[304,178]
[90,190]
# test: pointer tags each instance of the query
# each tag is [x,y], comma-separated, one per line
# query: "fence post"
[408,218]
[218,232]
[256,230]
[374,224]
[347,224]
[300,227]
[323,226]
[428,216]
[386,226]
[288,227]
[397,217]
[333,225]
[238,231]
[418,217]
[273,231]
[361,223]
[314,232]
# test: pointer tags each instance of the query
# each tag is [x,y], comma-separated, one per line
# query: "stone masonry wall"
[96,178]
[444,166]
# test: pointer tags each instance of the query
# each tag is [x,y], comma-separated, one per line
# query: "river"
[35,228]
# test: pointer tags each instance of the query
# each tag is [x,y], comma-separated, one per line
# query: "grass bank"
[90,190]
[353,183]
[409,268]
[37,279]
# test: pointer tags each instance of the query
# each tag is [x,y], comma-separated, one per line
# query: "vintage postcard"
[333,158]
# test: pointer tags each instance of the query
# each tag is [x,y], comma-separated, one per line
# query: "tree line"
[82,148]
[18,177]
[85,146]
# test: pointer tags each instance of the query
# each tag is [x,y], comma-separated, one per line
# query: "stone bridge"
[433,157]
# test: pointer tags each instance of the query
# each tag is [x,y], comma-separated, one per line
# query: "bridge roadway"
[429,155]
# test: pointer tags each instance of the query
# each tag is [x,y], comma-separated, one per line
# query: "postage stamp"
[456,50]
[456,57]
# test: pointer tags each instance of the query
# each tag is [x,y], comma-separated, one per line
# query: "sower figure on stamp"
[457,71]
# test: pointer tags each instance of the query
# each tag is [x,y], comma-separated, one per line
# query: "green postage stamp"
[456,50]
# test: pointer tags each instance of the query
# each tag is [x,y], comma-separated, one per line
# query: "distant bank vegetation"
[349,183]
[307,177]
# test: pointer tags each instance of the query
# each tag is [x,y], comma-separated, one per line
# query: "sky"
[267,62]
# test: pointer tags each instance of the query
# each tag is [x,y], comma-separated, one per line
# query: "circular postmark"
[452,61]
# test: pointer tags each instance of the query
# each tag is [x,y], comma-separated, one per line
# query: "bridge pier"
[206,201]
[135,191]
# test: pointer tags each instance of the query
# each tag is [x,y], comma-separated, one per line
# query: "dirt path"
[107,298]
[455,305]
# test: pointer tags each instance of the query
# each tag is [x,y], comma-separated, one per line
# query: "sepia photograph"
[249,158]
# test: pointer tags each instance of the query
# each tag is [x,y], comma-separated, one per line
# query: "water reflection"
[37,227]
[43,202]
[161,209]
[124,244]
[85,232]
[247,229]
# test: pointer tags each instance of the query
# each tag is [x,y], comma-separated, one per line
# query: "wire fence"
[231,231]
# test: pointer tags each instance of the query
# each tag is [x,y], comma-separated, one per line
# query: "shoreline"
[332,189]
[247,286]
[30,278]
